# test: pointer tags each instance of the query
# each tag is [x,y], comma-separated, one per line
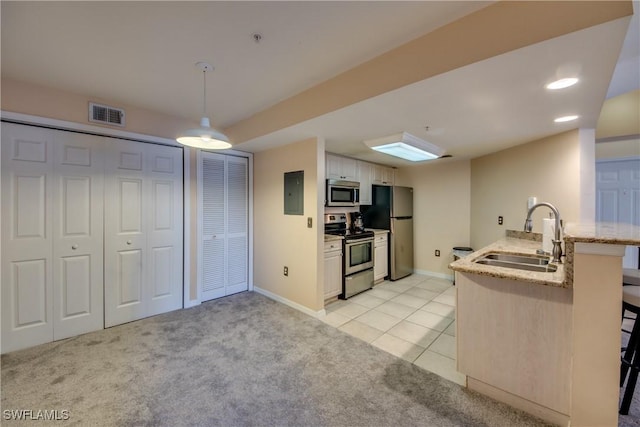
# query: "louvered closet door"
[78,234]
[27,249]
[223,211]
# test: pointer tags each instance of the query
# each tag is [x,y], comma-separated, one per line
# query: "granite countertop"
[603,232]
[332,237]
[511,245]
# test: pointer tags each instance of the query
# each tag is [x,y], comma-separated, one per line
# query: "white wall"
[441,204]
[285,240]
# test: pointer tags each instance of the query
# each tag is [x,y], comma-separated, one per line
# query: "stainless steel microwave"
[342,193]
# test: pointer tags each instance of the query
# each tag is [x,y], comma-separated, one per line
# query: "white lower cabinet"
[332,269]
[380,257]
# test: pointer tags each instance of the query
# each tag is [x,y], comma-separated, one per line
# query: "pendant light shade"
[205,136]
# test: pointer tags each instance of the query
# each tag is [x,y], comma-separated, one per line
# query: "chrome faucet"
[557,248]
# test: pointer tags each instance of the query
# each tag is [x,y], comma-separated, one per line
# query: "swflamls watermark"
[36,414]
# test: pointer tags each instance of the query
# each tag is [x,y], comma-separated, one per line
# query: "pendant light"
[205,136]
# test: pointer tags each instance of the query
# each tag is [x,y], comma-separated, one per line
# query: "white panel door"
[77,234]
[27,169]
[223,212]
[618,197]
[163,290]
[125,241]
[143,230]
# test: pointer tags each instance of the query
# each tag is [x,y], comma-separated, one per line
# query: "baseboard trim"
[518,402]
[191,303]
[434,274]
[288,302]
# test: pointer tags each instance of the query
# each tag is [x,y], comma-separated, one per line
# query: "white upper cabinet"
[342,168]
[382,175]
[365,177]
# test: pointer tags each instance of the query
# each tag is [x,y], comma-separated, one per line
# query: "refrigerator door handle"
[391,225]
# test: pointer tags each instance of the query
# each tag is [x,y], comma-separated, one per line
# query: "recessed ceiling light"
[562,83]
[565,119]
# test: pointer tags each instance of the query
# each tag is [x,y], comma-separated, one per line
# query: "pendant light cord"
[204,99]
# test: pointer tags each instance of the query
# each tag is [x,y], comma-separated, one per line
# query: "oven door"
[358,255]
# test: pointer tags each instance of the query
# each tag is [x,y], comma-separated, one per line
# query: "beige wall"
[284,240]
[618,149]
[549,169]
[620,116]
[441,208]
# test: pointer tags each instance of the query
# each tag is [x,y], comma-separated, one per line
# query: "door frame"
[28,119]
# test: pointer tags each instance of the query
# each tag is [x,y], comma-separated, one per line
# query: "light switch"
[309,222]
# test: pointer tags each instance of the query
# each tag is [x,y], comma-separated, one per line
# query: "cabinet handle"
[129,242]
[74,247]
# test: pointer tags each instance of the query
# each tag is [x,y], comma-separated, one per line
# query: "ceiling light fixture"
[405,146]
[565,119]
[562,83]
[205,136]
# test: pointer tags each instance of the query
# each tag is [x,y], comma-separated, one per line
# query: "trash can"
[460,252]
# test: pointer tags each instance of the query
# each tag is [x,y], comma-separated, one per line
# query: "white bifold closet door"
[52,259]
[143,230]
[223,246]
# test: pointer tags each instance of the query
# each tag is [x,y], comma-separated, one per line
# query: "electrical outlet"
[500,220]
[286,270]
[437,252]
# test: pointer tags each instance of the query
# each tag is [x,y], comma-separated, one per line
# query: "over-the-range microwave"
[342,193]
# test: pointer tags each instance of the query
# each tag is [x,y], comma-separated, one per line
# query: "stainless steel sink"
[518,261]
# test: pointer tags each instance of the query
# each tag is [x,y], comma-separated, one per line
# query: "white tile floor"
[412,318]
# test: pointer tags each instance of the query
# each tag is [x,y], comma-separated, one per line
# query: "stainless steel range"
[358,249]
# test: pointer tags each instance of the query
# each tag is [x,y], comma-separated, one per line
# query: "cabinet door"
[382,175]
[78,194]
[27,249]
[380,266]
[332,274]
[333,167]
[349,169]
[365,172]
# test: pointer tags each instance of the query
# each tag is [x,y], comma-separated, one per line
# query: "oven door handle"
[358,241]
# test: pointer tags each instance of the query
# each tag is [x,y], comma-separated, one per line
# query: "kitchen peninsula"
[547,342]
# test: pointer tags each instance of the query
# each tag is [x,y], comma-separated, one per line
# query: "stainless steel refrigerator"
[392,209]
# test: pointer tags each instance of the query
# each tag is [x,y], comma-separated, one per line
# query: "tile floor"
[412,318]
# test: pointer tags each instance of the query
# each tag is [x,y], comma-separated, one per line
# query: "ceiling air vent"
[106,115]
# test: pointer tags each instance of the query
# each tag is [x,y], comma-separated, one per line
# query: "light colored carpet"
[242,360]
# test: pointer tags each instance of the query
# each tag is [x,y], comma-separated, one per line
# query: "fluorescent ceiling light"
[405,146]
[562,83]
[565,119]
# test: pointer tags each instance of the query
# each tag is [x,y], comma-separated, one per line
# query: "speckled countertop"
[511,245]
[525,243]
[603,232]
[332,237]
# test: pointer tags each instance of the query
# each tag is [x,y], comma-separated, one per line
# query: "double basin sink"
[526,262]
